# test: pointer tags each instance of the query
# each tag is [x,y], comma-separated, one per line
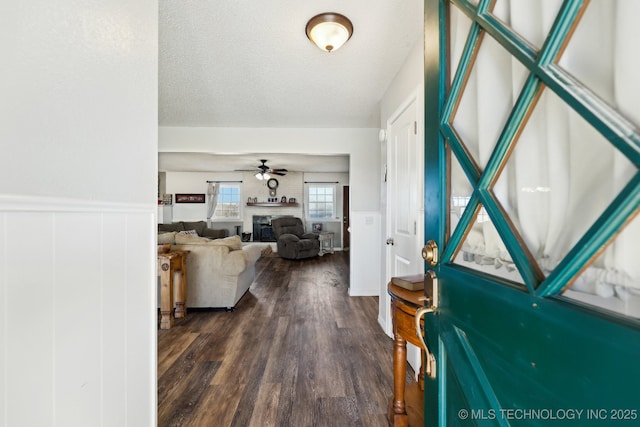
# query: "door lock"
[430,253]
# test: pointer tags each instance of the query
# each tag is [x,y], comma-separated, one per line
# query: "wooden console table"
[172,269]
[404,304]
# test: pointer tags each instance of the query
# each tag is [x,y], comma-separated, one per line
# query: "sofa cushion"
[176,226]
[214,233]
[199,226]
[234,243]
[169,237]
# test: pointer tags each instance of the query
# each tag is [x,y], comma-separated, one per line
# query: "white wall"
[364,173]
[78,173]
[360,144]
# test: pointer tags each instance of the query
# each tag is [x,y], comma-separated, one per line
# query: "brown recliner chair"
[292,241]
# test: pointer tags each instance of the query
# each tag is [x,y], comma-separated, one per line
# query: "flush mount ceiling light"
[329,31]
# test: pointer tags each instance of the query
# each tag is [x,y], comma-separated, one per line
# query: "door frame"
[346,218]
[416,96]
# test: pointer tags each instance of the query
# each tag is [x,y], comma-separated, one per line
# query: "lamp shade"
[329,31]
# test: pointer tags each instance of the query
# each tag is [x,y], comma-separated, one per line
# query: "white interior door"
[404,206]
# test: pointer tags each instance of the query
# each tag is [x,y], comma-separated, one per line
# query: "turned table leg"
[166,294]
[397,411]
[181,287]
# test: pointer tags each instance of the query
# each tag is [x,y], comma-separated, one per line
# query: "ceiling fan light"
[266,176]
[329,31]
[259,176]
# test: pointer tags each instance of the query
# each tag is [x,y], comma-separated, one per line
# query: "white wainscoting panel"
[365,253]
[78,321]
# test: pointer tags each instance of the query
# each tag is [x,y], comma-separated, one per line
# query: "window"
[228,206]
[321,201]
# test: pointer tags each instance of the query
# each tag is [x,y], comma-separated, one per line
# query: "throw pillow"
[190,239]
[189,232]
[169,238]
[198,226]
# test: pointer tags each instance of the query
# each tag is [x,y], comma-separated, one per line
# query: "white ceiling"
[248,63]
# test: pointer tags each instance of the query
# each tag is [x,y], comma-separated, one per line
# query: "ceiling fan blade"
[279,170]
[277,173]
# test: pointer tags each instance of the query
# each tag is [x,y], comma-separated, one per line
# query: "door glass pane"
[484,108]
[560,177]
[460,27]
[532,20]
[603,54]
[613,280]
[483,250]
[461,191]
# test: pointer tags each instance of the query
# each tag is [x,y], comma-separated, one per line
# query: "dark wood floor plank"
[217,407]
[297,351]
[266,406]
[187,395]
[337,411]
[168,354]
[277,361]
[177,377]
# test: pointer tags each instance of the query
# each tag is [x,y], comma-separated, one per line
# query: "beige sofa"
[219,272]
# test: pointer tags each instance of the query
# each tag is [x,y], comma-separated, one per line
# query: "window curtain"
[212,193]
[562,173]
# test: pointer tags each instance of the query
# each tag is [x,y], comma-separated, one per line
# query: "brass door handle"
[431,295]
[431,360]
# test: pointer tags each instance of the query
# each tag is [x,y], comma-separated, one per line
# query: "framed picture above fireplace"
[189,198]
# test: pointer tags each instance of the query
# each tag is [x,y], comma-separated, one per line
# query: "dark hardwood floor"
[296,351]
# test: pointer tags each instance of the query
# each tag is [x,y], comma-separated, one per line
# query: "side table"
[404,305]
[326,242]
[172,269]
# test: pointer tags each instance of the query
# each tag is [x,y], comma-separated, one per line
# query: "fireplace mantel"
[272,204]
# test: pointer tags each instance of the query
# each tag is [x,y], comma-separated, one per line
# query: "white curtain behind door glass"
[562,173]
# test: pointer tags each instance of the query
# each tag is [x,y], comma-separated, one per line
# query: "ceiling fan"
[265,172]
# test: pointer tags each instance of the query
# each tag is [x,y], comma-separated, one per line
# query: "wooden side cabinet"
[406,406]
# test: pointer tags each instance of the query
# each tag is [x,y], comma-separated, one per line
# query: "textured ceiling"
[248,63]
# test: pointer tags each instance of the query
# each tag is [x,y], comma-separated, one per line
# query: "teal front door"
[532,189]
